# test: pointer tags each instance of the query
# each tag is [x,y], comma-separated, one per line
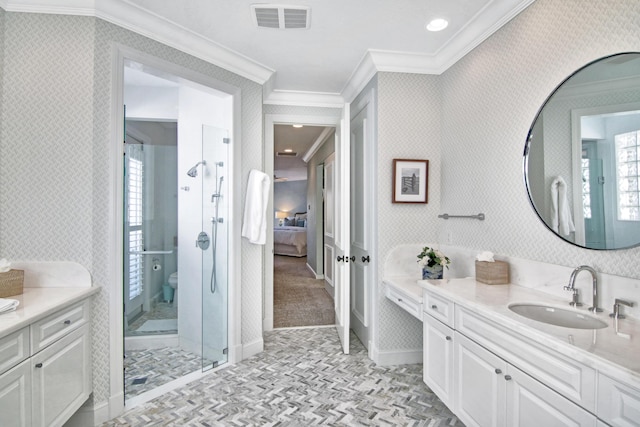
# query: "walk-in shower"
[175,188]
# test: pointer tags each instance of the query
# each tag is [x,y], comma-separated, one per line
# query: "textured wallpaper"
[409,127]
[56,195]
[490,99]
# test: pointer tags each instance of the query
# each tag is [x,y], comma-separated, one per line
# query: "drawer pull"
[67,322]
[498,371]
[38,365]
[399,299]
[448,338]
[434,307]
[507,377]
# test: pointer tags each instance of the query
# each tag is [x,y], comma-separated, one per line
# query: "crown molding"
[131,17]
[481,27]
[322,138]
[304,99]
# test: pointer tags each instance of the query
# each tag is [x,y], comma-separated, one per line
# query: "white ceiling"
[348,40]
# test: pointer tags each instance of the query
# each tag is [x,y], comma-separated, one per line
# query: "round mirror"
[582,156]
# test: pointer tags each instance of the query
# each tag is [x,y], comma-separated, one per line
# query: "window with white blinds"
[628,177]
[135,188]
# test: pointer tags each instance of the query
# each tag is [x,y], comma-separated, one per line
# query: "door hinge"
[226,141]
[225,350]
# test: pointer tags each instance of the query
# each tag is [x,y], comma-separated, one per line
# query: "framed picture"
[410,181]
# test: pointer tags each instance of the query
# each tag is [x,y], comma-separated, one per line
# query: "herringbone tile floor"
[302,378]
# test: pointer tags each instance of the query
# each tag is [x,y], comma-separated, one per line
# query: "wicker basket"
[492,273]
[11,283]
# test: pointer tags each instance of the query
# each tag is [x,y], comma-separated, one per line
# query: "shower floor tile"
[162,310]
[158,366]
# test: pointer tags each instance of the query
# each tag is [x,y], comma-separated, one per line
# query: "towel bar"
[480,216]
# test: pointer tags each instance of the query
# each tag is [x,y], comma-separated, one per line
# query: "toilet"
[173,280]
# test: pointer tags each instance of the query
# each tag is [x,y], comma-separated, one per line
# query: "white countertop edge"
[405,284]
[525,327]
[38,303]
[53,274]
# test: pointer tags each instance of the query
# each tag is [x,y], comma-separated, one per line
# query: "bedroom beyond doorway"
[299,299]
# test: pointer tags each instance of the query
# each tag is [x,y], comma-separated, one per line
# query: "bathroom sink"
[568,318]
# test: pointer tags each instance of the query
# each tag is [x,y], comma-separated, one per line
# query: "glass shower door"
[215,259]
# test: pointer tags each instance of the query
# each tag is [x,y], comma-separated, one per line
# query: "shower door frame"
[121,53]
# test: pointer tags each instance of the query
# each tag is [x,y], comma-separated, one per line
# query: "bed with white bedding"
[291,238]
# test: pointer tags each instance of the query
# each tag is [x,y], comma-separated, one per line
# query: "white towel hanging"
[561,220]
[254,226]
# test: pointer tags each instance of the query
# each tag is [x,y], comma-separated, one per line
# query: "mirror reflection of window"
[627,165]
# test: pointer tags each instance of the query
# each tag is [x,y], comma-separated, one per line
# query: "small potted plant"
[432,262]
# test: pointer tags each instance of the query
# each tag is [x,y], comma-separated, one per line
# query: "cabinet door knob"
[67,322]
[38,365]
[435,307]
[498,371]
[448,338]
[507,377]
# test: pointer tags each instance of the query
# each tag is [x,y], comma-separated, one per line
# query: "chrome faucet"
[571,287]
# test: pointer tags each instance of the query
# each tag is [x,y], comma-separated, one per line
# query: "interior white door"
[360,236]
[342,262]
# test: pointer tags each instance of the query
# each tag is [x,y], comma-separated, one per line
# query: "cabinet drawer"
[439,307]
[14,349]
[407,303]
[618,404]
[571,379]
[59,324]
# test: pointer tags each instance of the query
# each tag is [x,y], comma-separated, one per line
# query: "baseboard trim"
[252,348]
[396,357]
[89,415]
[317,276]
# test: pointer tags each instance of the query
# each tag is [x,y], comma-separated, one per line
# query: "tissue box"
[11,283]
[492,273]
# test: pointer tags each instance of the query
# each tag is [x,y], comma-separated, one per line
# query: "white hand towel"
[561,220]
[7,304]
[254,226]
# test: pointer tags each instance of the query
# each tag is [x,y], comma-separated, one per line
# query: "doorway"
[177,172]
[299,294]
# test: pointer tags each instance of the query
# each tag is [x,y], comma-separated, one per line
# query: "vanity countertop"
[37,303]
[616,354]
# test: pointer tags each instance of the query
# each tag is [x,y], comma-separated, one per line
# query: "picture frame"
[410,181]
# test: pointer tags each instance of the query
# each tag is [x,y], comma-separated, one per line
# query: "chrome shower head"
[193,172]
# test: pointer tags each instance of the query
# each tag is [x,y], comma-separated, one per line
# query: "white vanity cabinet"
[491,377]
[492,392]
[437,370]
[618,404]
[46,365]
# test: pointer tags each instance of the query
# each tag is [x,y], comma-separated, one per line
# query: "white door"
[437,371]
[342,234]
[361,219]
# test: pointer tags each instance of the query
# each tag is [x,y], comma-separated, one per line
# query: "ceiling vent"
[283,17]
[285,154]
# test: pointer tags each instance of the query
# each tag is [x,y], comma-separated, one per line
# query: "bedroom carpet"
[298,298]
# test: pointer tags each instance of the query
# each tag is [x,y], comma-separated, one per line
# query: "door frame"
[119,54]
[270,120]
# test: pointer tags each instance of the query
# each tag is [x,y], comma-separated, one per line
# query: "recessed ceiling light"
[438,24]
[288,150]
[297,126]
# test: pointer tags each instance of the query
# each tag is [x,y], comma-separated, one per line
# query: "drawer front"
[59,324]
[14,349]
[564,375]
[407,303]
[618,404]
[439,307]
